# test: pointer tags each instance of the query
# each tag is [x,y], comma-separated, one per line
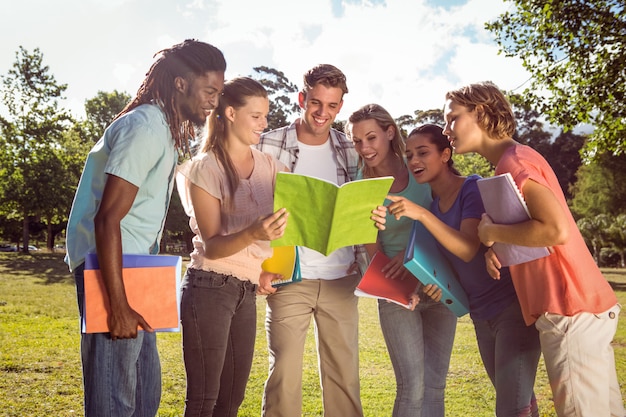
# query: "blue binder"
[424,260]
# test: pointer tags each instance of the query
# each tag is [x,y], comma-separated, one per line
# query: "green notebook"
[324,216]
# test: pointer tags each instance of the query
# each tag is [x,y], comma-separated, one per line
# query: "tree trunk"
[596,254]
[50,237]
[25,233]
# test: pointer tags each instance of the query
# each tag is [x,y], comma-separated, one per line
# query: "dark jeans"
[218,314]
[510,351]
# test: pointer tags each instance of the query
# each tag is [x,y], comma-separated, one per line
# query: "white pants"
[580,363]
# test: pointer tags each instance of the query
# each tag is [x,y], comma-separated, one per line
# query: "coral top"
[568,281]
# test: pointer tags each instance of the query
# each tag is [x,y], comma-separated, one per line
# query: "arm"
[208,217]
[117,199]
[372,248]
[463,243]
[549,225]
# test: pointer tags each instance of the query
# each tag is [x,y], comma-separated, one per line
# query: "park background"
[571,108]
[40,372]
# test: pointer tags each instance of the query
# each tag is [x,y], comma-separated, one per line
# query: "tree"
[564,158]
[102,109]
[594,231]
[405,123]
[433,116]
[562,152]
[176,227]
[30,137]
[617,237]
[279,89]
[575,50]
[71,153]
[473,163]
[600,187]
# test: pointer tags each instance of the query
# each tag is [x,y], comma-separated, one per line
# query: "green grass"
[40,364]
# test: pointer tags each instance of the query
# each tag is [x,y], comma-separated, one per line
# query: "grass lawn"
[40,364]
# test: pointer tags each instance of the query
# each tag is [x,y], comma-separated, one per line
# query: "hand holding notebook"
[374,284]
[505,205]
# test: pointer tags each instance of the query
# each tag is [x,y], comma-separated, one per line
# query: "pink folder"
[374,284]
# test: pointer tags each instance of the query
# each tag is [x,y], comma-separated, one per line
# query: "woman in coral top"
[564,294]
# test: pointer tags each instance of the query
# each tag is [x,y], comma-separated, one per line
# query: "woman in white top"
[227,190]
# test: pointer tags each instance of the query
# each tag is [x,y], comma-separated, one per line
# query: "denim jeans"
[218,315]
[121,378]
[510,351]
[419,344]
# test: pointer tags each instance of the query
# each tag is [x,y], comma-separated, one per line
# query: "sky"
[401,54]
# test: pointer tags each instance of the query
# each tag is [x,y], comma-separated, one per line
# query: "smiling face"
[462,128]
[320,106]
[424,159]
[249,121]
[197,96]
[372,143]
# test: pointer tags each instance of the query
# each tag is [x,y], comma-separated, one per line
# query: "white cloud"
[401,54]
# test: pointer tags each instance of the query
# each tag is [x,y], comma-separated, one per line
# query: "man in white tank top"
[311,147]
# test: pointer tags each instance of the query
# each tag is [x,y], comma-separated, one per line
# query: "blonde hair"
[493,110]
[384,120]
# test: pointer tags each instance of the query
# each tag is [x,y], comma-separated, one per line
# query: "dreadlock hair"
[236,94]
[437,138]
[188,60]
[384,120]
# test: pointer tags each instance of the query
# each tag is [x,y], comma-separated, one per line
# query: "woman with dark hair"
[508,347]
[228,192]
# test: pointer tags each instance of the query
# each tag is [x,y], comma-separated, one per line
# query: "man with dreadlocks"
[120,207]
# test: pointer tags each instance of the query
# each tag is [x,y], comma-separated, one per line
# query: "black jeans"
[218,314]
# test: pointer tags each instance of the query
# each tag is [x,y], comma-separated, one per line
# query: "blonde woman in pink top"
[227,191]
[565,295]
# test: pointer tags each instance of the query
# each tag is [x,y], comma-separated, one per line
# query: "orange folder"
[152,288]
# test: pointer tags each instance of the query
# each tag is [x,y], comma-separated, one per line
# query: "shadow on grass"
[616,277]
[49,267]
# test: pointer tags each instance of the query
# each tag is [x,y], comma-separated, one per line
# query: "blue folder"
[424,260]
[138,261]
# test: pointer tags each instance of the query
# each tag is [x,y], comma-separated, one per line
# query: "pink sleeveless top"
[253,198]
